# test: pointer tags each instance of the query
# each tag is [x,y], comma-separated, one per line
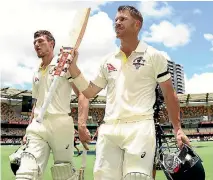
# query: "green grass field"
[204,149]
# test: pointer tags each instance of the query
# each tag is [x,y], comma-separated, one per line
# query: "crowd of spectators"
[192,112]
[191,131]
[94,115]
[9,116]
[11,140]
[12,132]
[198,138]
[97,114]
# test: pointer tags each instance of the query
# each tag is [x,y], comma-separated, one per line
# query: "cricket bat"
[76,35]
[83,165]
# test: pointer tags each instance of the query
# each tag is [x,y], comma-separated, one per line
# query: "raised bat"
[66,55]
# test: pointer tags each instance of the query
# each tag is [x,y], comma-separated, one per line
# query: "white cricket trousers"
[56,132]
[123,148]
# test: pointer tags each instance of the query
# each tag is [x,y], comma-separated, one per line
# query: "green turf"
[205,150]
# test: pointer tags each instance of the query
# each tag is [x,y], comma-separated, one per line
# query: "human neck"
[46,60]
[129,45]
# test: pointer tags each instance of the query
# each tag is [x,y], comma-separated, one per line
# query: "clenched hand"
[84,136]
[182,138]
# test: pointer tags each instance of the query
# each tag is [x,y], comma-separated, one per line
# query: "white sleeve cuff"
[99,82]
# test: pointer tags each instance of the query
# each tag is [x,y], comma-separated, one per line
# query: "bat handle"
[84,156]
[48,99]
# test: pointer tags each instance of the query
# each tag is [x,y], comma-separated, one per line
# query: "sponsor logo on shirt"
[36,79]
[111,68]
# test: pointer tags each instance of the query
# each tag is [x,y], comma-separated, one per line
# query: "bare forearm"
[88,89]
[173,109]
[83,109]
[79,80]
[74,71]
[32,113]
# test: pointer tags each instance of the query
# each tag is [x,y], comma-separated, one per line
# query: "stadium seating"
[96,114]
[12,132]
[9,115]
[193,112]
[192,121]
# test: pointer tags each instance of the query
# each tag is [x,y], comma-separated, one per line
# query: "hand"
[182,138]
[84,136]
[24,140]
[73,68]
[74,55]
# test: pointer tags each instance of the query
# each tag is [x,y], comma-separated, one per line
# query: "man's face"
[42,46]
[125,24]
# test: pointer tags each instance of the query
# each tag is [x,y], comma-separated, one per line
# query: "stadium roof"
[11,93]
[97,99]
[204,97]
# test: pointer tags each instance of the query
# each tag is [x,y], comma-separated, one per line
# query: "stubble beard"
[40,56]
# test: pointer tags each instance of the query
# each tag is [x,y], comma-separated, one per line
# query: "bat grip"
[48,99]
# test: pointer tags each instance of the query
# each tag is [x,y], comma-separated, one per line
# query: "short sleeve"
[161,71]
[100,79]
[34,87]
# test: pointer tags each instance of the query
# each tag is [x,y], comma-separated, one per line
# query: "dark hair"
[133,11]
[46,33]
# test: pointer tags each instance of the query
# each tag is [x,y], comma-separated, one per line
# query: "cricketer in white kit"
[126,141]
[56,131]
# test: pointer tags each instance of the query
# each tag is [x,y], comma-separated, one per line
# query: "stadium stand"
[196,115]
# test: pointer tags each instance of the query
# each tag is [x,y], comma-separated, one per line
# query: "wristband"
[81,83]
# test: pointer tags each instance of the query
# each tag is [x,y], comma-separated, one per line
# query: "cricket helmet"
[184,164]
[15,159]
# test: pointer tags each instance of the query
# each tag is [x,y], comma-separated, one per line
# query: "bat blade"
[81,174]
[83,165]
[76,35]
[78,27]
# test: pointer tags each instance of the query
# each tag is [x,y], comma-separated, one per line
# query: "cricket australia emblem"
[138,62]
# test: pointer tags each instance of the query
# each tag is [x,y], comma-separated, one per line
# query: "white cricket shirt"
[42,80]
[131,85]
